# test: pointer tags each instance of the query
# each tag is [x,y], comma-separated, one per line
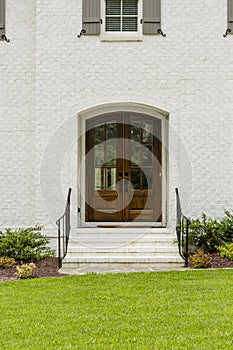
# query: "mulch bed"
[216,262]
[49,268]
[45,268]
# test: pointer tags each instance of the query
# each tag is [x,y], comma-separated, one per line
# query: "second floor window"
[121,15]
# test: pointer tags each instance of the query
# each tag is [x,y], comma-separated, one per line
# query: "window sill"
[121,38]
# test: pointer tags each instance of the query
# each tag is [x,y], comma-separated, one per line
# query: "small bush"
[199,259]
[25,245]
[208,234]
[25,271]
[226,226]
[6,263]
[226,251]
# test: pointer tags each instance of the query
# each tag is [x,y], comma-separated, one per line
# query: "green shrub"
[226,226]
[205,234]
[226,251]
[6,263]
[25,245]
[25,271]
[199,259]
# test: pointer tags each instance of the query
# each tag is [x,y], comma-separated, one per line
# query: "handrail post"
[59,244]
[182,230]
[65,219]
[187,243]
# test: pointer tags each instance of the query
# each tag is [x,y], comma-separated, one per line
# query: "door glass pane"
[111,178]
[147,155]
[99,155]
[111,130]
[111,153]
[135,131]
[99,134]
[135,178]
[135,154]
[147,131]
[147,179]
[99,179]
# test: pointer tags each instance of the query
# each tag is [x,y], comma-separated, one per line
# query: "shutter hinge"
[101,21]
[227,32]
[83,31]
[141,21]
[159,31]
[5,38]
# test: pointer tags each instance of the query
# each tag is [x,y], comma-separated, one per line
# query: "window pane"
[147,131]
[130,7]
[111,153]
[99,179]
[147,179]
[147,155]
[135,178]
[130,24]
[113,7]
[111,130]
[135,132]
[111,178]
[99,134]
[135,156]
[113,24]
[99,155]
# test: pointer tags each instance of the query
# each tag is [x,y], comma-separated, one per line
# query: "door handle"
[126,174]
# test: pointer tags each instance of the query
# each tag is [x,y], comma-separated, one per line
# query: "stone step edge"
[168,259]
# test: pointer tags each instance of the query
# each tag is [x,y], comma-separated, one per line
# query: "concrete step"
[130,258]
[84,268]
[169,248]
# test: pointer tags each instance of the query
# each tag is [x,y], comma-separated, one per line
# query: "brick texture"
[48,75]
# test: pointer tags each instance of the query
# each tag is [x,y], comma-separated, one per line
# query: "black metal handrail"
[182,230]
[63,224]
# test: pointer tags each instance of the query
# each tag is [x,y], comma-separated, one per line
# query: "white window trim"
[121,36]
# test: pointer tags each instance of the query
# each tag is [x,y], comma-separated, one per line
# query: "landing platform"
[84,269]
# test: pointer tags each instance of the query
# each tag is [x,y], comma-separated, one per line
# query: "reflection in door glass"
[99,134]
[147,179]
[147,131]
[99,155]
[111,130]
[99,179]
[111,178]
[147,155]
[111,153]
[135,132]
[135,154]
[135,178]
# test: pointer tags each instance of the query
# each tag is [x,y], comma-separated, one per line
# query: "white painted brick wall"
[48,76]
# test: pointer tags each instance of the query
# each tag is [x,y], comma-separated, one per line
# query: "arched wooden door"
[123,168]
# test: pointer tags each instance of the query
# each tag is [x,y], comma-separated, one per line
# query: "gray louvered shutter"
[91,16]
[2,18]
[151,16]
[230,14]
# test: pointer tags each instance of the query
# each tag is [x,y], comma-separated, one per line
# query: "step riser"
[103,260]
[139,250]
[120,238]
[112,246]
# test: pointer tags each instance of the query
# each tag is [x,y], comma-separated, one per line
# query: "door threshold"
[124,225]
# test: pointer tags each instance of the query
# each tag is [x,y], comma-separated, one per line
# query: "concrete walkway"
[120,268]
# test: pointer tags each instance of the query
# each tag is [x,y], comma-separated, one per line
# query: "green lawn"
[164,310]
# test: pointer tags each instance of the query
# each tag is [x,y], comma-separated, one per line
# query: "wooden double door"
[123,168]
